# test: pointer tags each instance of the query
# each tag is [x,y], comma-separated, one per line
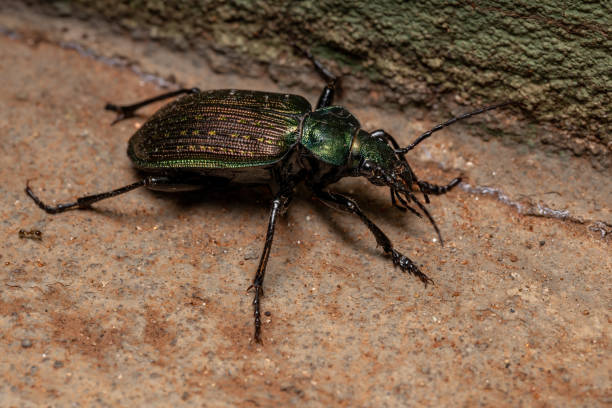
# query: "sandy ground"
[141,301]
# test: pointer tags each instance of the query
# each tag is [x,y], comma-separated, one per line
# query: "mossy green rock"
[552,57]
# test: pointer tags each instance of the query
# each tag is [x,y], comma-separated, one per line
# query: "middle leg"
[327,96]
[279,204]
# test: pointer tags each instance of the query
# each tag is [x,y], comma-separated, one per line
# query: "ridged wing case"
[222,129]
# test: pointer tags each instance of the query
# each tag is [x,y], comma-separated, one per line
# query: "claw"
[426,279]
[408,266]
[258,294]
[259,289]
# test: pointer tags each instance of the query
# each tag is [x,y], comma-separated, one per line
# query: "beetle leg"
[343,203]
[278,206]
[87,201]
[327,96]
[426,187]
[128,111]
[394,202]
[403,205]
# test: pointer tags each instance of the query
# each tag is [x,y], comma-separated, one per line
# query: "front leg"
[343,203]
[279,205]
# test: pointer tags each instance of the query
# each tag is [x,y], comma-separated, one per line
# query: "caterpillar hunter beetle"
[214,139]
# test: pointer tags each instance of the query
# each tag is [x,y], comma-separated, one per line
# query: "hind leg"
[128,111]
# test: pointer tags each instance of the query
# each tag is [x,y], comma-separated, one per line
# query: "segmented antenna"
[448,123]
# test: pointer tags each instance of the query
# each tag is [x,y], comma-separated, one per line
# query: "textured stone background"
[552,57]
[141,301]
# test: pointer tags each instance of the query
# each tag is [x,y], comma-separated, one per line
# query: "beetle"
[218,138]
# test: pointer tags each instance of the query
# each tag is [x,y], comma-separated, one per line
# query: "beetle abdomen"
[219,129]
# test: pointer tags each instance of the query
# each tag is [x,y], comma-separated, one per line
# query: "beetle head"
[374,158]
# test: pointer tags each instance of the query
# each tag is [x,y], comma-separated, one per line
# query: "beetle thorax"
[327,134]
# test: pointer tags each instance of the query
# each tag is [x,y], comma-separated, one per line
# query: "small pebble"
[58,364]
[26,343]
[21,96]
[251,253]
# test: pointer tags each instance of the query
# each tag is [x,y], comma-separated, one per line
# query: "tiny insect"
[218,138]
[31,234]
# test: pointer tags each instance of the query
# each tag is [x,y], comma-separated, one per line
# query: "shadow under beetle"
[211,139]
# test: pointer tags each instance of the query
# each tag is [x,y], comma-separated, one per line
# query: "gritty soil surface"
[141,300]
